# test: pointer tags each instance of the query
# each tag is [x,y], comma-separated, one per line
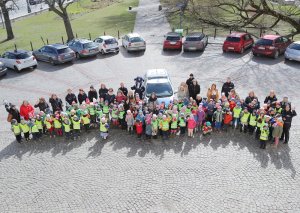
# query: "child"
[227,120]
[85,120]
[182,124]
[105,109]
[206,129]
[148,126]
[218,118]
[174,125]
[67,128]
[122,116]
[244,120]
[130,122]
[49,125]
[99,113]
[39,124]
[92,113]
[252,122]
[139,128]
[236,115]
[57,125]
[104,128]
[201,116]
[191,124]
[165,126]
[34,130]
[277,130]
[15,127]
[259,124]
[264,135]
[154,125]
[76,127]
[114,116]
[25,129]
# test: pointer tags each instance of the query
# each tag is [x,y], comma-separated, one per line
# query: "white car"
[133,42]
[158,81]
[292,52]
[107,44]
[18,60]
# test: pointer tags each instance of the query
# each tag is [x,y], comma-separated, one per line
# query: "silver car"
[292,52]
[133,42]
[3,69]
[83,47]
[195,42]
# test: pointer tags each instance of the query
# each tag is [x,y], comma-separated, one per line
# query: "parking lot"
[221,173]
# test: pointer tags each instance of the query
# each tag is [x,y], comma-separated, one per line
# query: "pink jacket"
[191,123]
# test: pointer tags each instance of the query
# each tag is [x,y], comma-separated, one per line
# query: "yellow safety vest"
[76,125]
[244,118]
[252,121]
[67,127]
[165,125]
[85,119]
[237,112]
[48,124]
[34,129]
[102,127]
[264,135]
[57,124]
[25,128]
[16,129]
[39,124]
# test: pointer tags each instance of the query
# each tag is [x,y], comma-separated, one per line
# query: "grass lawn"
[86,17]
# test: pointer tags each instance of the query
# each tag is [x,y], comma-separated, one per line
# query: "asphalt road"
[222,173]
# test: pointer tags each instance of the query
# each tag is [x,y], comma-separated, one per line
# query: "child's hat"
[208,123]
[154,116]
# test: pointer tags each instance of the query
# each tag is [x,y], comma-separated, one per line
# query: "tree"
[5,12]
[243,14]
[60,8]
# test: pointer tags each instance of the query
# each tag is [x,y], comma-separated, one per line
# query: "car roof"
[17,52]
[158,81]
[131,35]
[173,34]
[270,37]
[106,37]
[83,40]
[157,73]
[237,34]
[195,34]
[57,46]
[296,42]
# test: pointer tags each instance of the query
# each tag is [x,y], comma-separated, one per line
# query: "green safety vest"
[121,114]
[34,129]
[92,110]
[188,111]
[259,125]
[102,127]
[67,127]
[85,119]
[174,124]
[16,129]
[114,113]
[182,122]
[264,135]
[179,106]
[99,113]
[48,124]
[245,117]
[252,121]
[154,124]
[237,112]
[105,109]
[39,124]
[57,124]
[165,125]
[25,128]
[278,110]
[76,125]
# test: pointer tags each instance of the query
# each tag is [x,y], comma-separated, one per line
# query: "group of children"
[154,121]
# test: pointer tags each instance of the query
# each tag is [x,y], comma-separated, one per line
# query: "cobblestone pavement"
[224,172]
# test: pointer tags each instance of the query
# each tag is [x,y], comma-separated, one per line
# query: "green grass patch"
[86,17]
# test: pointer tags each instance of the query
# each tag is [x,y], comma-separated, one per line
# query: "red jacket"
[227,118]
[26,111]
[121,98]
[139,128]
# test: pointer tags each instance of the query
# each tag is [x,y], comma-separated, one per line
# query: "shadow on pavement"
[170,52]
[133,54]
[46,67]
[236,55]
[267,60]
[12,73]
[294,64]
[192,54]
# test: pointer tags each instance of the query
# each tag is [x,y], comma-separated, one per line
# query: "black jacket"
[92,94]
[103,92]
[42,106]
[227,87]
[288,116]
[70,98]
[124,90]
[82,97]
[190,81]
[110,98]
[56,104]
[269,100]
[194,90]
[14,112]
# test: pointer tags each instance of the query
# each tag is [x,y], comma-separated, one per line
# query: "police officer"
[287,116]
[227,87]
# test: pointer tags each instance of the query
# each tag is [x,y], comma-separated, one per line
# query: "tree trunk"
[68,27]
[9,31]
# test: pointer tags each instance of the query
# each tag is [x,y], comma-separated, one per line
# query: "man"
[287,116]
[123,89]
[92,94]
[227,87]
[71,97]
[81,96]
[189,81]
[285,102]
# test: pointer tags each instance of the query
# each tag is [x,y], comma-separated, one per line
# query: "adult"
[103,91]
[194,89]
[152,102]
[138,86]
[56,103]
[123,89]
[71,97]
[189,81]
[26,110]
[130,98]
[287,117]
[251,101]
[183,91]
[81,96]
[92,94]
[285,102]
[233,95]
[227,87]
[198,99]
[213,93]
[42,105]
[271,99]
[13,112]
[120,97]
[110,96]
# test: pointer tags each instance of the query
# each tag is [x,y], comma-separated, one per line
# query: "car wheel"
[16,69]
[77,55]
[254,54]
[242,50]
[51,61]
[102,52]
[34,67]
[276,55]
[224,51]
[128,50]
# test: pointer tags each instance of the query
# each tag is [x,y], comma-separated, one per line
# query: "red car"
[238,42]
[173,41]
[271,45]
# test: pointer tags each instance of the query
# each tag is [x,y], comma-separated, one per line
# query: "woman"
[42,105]
[194,89]
[252,101]
[56,103]
[26,110]
[213,93]
[198,99]
[152,102]
[82,96]
[183,91]
[130,98]
[271,99]
[103,91]
[120,97]
[233,95]
[13,112]
[110,96]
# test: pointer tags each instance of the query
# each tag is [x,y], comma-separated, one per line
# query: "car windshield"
[22,56]
[88,45]
[266,42]
[233,39]
[136,39]
[193,39]
[63,50]
[110,41]
[295,46]
[173,38]
[160,89]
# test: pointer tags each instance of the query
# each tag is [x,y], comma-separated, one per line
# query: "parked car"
[173,41]
[158,81]
[55,54]
[34,2]
[271,45]
[133,42]
[107,44]
[238,42]
[195,42]
[3,69]
[18,60]
[83,47]
[293,52]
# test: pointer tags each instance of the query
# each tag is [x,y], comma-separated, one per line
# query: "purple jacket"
[201,116]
